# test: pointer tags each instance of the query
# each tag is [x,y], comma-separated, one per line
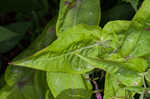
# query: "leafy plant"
[61,67]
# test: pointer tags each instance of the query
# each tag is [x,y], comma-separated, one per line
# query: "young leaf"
[73,12]
[60,55]
[115,31]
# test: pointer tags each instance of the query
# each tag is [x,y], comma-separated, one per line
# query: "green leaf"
[73,12]
[116,31]
[137,64]
[60,55]
[118,26]
[137,43]
[59,82]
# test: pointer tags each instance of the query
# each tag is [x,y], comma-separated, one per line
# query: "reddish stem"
[98,94]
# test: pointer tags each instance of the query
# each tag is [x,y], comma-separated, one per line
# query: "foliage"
[60,62]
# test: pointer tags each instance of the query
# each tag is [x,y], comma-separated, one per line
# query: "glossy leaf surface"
[60,55]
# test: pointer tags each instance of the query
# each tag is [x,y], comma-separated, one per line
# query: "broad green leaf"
[73,12]
[137,64]
[16,74]
[130,41]
[116,31]
[59,82]
[137,43]
[134,3]
[60,55]
[118,26]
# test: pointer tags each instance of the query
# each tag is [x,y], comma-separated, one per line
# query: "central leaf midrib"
[80,49]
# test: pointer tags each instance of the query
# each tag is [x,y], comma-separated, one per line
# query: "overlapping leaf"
[60,55]
[73,12]
[59,82]
[114,30]
[71,51]
[29,82]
